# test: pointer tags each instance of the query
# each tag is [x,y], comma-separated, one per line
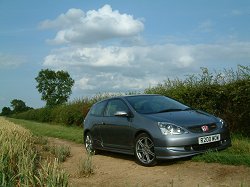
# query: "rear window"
[97,109]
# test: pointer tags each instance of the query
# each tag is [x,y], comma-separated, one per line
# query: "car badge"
[204,128]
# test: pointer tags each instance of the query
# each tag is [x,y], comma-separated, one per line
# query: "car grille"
[203,146]
[198,129]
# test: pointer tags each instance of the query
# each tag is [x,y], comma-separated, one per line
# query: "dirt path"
[112,169]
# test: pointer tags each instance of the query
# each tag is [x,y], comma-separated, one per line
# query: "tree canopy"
[19,106]
[6,111]
[55,87]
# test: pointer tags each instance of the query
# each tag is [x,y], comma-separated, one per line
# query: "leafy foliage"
[6,111]
[71,113]
[224,94]
[19,106]
[55,87]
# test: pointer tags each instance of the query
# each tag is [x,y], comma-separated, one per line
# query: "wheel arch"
[84,133]
[142,131]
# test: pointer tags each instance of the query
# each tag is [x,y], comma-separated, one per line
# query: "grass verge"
[238,154]
[73,133]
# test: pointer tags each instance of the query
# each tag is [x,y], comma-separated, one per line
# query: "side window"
[97,109]
[115,105]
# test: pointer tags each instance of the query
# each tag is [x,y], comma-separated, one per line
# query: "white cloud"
[10,61]
[70,18]
[105,67]
[113,68]
[78,27]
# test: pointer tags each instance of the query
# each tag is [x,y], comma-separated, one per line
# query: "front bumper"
[190,150]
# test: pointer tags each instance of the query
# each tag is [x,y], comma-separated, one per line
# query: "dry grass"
[85,168]
[19,161]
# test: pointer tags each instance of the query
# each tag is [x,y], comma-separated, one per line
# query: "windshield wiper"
[170,110]
[174,109]
[188,108]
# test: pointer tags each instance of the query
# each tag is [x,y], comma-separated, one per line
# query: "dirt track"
[111,169]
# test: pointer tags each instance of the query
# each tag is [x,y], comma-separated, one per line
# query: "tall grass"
[19,161]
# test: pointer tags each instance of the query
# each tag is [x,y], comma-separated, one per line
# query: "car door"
[116,131]
[96,118]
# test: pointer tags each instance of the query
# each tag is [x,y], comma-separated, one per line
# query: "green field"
[238,154]
[72,133]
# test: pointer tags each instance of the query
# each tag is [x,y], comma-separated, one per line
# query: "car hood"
[184,118]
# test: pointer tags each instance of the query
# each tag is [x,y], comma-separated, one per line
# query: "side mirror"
[123,114]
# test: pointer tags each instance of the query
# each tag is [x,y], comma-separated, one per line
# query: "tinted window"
[97,109]
[115,105]
[154,104]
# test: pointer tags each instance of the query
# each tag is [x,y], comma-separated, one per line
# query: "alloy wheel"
[144,150]
[89,144]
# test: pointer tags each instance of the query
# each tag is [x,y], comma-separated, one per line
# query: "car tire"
[144,150]
[88,143]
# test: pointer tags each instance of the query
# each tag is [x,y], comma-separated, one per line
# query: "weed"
[60,152]
[85,168]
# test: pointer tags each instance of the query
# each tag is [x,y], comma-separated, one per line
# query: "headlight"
[222,123]
[170,129]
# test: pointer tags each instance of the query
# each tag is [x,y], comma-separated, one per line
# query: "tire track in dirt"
[111,169]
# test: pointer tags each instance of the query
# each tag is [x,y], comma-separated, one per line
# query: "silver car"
[152,127]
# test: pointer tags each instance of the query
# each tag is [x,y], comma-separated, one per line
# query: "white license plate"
[209,139]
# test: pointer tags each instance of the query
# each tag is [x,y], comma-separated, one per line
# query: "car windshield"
[150,104]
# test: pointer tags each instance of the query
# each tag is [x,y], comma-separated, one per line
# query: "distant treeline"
[225,94]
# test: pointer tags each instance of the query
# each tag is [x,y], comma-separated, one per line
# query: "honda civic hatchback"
[152,127]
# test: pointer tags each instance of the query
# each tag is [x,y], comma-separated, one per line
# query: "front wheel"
[144,150]
[88,142]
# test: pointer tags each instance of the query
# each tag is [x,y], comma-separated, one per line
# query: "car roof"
[125,96]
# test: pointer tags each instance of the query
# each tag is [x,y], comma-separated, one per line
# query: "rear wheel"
[88,142]
[144,150]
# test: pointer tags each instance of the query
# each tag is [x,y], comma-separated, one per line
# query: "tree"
[19,106]
[6,111]
[55,87]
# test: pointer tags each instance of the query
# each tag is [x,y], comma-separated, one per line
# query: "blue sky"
[117,46]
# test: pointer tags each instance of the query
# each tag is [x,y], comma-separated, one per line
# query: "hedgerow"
[72,113]
[225,94]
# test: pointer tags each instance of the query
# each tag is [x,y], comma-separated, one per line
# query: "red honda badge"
[204,128]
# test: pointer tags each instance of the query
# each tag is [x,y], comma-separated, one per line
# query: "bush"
[223,94]
[71,113]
